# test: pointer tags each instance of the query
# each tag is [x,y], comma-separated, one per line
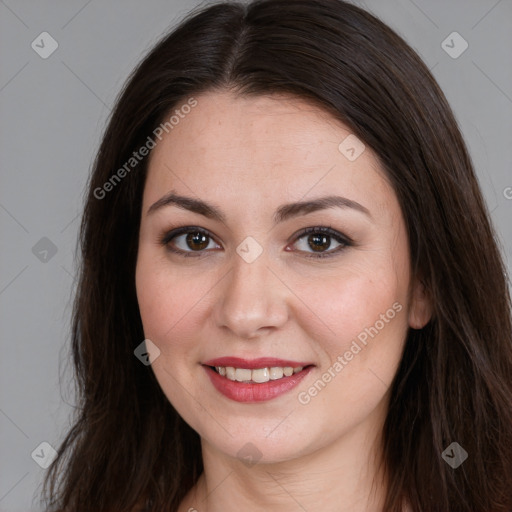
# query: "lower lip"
[248,392]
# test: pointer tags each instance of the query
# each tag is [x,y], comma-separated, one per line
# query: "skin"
[248,156]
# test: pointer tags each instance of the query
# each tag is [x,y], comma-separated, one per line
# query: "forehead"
[259,148]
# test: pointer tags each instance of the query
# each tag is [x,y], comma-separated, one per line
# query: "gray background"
[52,113]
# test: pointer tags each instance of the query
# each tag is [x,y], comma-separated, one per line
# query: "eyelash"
[325,230]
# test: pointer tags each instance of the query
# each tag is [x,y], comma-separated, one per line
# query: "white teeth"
[258,375]
[261,375]
[243,374]
[276,373]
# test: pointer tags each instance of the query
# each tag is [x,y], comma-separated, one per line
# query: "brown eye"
[187,241]
[319,242]
[316,241]
[197,241]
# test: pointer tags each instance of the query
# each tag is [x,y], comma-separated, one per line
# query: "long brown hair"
[128,445]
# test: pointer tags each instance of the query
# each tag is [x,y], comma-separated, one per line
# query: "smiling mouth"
[255,380]
[257,375]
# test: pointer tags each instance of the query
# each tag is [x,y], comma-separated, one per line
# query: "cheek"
[356,298]
[169,309]
[171,304]
[360,351]
[157,306]
[365,312]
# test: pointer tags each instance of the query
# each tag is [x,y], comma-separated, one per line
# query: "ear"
[420,307]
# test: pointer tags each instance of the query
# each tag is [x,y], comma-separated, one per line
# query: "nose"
[253,299]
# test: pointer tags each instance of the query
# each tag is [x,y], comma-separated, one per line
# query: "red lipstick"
[250,392]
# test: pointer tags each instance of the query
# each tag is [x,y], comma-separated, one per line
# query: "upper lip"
[261,362]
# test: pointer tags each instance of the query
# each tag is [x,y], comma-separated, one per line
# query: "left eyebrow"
[283,213]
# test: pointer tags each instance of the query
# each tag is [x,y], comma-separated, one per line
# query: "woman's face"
[252,285]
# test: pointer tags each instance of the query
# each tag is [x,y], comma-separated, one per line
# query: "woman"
[291,296]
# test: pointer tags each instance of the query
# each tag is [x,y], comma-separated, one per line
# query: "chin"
[266,441]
